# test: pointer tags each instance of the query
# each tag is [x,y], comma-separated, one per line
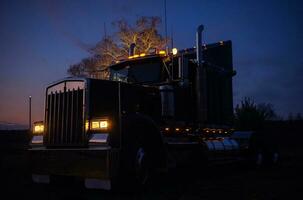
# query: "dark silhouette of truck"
[155,112]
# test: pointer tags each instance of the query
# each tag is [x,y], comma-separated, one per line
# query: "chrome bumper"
[92,163]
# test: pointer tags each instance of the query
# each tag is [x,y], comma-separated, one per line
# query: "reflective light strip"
[37,139]
[99,138]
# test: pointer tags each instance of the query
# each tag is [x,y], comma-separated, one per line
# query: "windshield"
[119,75]
[139,73]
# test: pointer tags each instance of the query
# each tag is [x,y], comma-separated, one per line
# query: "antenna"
[30,113]
[172,38]
[105,35]
[165,23]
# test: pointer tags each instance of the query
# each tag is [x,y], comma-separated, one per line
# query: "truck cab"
[152,109]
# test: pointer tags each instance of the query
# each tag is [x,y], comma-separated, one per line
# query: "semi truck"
[156,112]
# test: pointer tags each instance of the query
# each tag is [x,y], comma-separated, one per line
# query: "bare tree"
[251,116]
[144,34]
[110,49]
[85,68]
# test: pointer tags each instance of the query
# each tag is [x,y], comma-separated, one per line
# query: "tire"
[135,169]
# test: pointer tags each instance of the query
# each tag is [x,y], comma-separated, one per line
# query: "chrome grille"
[64,116]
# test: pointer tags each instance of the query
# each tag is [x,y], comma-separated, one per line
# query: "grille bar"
[64,117]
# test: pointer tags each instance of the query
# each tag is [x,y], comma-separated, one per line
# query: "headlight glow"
[174,51]
[103,124]
[38,128]
[99,125]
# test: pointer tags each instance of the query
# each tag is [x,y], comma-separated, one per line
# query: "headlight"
[38,128]
[99,125]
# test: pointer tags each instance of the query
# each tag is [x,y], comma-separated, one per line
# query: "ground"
[217,182]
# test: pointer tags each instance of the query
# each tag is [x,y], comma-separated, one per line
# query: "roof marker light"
[174,51]
[162,52]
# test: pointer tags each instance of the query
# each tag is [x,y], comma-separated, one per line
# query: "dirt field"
[221,182]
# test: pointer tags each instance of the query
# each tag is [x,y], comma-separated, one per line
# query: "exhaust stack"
[200,88]
[132,49]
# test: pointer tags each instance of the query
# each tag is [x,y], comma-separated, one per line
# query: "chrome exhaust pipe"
[201,106]
[199,44]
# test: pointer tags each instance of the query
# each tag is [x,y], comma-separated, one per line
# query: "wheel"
[142,152]
[275,158]
[259,159]
[256,158]
[263,151]
[135,168]
[266,158]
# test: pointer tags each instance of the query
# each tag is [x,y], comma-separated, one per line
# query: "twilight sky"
[40,39]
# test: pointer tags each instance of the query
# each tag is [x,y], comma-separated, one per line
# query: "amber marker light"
[86,125]
[99,125]
[162,52]
[38,128]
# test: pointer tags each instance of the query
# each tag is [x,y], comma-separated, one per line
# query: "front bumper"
[92,163]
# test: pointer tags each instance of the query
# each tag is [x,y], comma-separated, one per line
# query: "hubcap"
[141,166]
[259,159]
[275,158]
[140,156]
